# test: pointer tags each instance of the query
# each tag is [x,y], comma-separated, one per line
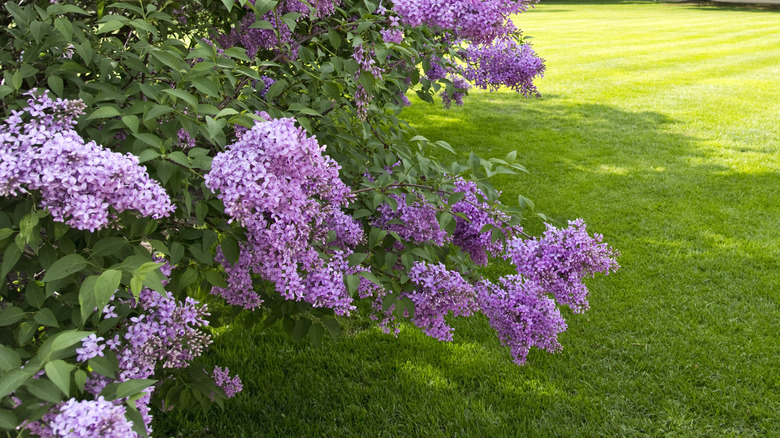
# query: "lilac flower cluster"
[185,139]
[439,292]
[240,290]
[468,234]
[165,333]
[366,63]
[561,259]
[79,182]
[280,38]
[504,62]
[457,96]
[275,181]
[231,385]
[394,33]
[476,20]
[90,347]
[416,222]
[522,315]
[85,418]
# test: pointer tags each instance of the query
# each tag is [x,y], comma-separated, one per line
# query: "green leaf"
[11,255]
[107,246]
[370,277]
[55,84]
[87,296]
[15,378]
[8,420]
[230,249]
[58,372]
[105,287]
[183,95]
[228,4]
[357,258]
[104,112]
[54,346]
[106,366]
[214,277]
[301,329]
[156,112]
[352,282]
[65,266]
[11,315]
[131,122]
[111,25]
[44,389]
[46,317]
[133,387]
[207,87]
[9,359]
[150,139]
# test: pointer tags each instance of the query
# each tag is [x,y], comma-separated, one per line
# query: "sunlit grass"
[660,126]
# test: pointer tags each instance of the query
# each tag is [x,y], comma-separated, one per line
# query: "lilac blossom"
[275,181]
[90,347]
[231,385]
[85,418]
[504,62]
[561,259]
[522,315]
[457,96]
[476,20]
[469,234]
[439,292]
[81,184]
[166,334]
[416,222]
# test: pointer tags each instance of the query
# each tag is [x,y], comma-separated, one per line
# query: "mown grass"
[660,126]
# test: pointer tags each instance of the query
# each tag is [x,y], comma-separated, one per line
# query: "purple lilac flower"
[165,334]
[185,139]
[476,20]
[231,385]
[240,290]
[522,315]
[504,63]
[85,418]
[275,181]
[560,261]
[457,96]
[90,347]
[416,222]
[468,234]
[79,182]
[439,292]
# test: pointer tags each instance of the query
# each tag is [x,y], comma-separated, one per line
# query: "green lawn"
[660,126]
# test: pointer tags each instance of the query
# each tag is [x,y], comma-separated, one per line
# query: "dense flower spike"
[87,419]
[560,261]
[231,385]
[476,20]
[275,181]
[504,62]
[79,182]
[439,292]
[469,234]
[416,222]
[457,96]
[522,315]
[166,334]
